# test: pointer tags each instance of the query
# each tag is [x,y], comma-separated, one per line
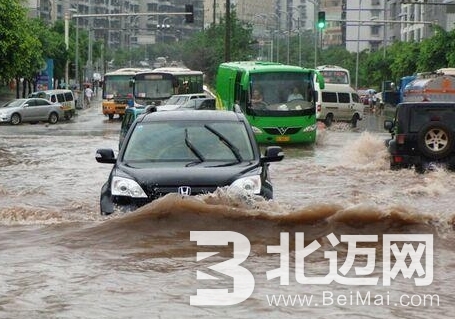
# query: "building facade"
[354,24]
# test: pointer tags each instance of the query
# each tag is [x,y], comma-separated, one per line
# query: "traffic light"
[321,19]
[189,18]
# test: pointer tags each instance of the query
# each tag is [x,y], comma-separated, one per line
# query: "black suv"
[423,134]
[185,152]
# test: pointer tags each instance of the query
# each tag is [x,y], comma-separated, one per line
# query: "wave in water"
[164,225]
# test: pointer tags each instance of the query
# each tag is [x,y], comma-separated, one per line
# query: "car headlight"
[310,128]
[121,186]
[250,184]
[256,130]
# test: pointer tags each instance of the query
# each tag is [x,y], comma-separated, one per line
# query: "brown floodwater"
[61,259]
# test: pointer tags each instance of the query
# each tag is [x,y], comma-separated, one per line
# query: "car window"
[191,104]
[31,102]
[330,97]
[53,98]
[343,98]
[68,96]
[61,97]
[187,141]
[355,98]
[42,102]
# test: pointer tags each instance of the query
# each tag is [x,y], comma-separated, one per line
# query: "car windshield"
[190,142]
[13,103]
[177,100]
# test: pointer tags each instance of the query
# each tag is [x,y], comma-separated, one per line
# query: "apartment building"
[166,21]
[355,24]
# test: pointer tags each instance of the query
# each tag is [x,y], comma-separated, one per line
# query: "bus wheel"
[111,116]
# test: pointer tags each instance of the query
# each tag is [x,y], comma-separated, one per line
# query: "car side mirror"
[388,125]
[272,154]
[105,155]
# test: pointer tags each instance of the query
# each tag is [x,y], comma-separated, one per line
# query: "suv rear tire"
[435,140]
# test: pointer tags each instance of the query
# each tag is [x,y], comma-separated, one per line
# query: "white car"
[177,100]
[31,110]
[338,102]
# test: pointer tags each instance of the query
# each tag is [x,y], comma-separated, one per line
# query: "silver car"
[31,110]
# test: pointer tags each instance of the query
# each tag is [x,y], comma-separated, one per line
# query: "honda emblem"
[184,190]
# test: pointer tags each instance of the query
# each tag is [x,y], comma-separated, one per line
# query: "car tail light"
[400,138]
[397,159]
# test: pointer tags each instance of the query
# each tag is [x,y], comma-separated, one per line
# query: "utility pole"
[214,12]
[227,40]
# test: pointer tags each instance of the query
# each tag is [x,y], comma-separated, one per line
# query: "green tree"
[19,49]
[403,59]
[433,51]
[205,50]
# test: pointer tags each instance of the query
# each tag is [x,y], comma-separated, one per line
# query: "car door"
[330,105]
[344,106]
[30,112]
[43,108]
[358,106]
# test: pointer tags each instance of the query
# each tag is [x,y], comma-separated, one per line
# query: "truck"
[392,94]
[426,86]
[437,86]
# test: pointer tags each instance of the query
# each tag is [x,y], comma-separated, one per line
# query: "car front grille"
[282,130]
[157,192]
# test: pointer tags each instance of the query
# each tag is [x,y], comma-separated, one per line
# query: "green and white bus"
[277,99]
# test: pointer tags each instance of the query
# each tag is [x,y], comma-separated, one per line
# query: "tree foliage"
[19,49]
[206,50]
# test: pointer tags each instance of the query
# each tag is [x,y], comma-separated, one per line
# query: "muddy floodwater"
[61,259]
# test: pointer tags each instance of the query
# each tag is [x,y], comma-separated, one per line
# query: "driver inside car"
[257,100]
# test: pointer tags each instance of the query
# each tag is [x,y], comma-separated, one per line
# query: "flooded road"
[61,259]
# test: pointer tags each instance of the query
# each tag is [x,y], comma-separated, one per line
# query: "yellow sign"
[283,138]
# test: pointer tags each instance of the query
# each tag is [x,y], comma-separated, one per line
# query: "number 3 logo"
[242,277]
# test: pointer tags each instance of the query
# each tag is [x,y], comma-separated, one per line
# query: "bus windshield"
[335,76]
[153,86]
[160,84]
[116,86]
[285,92]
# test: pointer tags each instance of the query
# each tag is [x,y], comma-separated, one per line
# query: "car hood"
[7,110]
[193,175]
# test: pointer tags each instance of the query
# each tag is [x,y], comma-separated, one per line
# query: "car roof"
[203,115]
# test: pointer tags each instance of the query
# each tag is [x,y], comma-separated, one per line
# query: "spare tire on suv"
[423,135]
[435,140]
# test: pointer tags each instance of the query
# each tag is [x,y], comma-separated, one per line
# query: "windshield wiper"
[193,149]
[226,142]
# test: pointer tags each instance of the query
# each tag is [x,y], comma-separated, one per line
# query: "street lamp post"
[357,57]
[262,33]
[277,37]
[76,64]
[163,26]
[315,8]
[67,22]
[288,31]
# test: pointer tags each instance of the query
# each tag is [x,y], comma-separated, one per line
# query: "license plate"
[282,138]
